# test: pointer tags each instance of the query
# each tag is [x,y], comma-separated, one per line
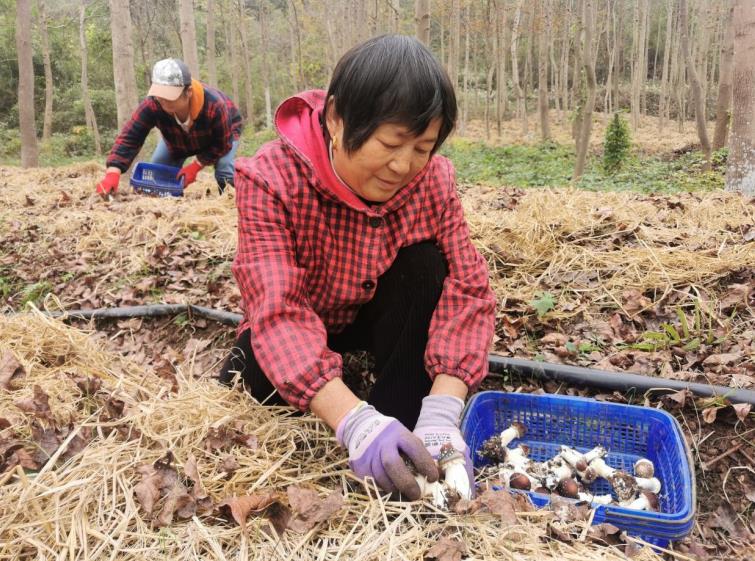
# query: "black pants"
[393,327]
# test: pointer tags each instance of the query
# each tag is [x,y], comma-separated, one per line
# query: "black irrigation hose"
[573,375]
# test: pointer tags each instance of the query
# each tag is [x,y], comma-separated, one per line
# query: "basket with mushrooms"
[569,473]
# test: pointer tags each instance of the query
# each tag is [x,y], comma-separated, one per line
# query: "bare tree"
[25,84]
[520,99]
[697,92]
[639,59]
[455,43]
[45,41]
[543,33]
[663,101]
[422,20]
[189,35]
[583,143]
[723,105]
[246,48]
[212,71]
[740,173]
[89,116]
[265,65]
[123,60]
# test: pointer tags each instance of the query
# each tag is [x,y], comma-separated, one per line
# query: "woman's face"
[386,162]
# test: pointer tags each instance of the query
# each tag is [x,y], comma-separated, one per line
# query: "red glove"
[109,184]
[189,173]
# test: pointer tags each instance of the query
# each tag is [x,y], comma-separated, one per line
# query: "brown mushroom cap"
[520,428]
[624,485]
[568,488]
[589,475]
[652,500]
[644,468]
[519,481]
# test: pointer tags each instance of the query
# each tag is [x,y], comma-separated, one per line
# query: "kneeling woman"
[352,236]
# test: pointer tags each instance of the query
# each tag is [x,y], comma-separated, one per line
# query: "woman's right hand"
[376,443]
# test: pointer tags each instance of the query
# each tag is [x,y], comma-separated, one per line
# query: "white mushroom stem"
[602,468]
[651,484]
[597,452]
[597,499]
[516,430]
[573,458]
[646,501]
[456,477]
[433,490]
[558,472]
[517,457]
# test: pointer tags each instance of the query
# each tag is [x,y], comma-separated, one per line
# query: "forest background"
[660,63]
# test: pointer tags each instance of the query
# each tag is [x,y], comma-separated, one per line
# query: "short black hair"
[391,79]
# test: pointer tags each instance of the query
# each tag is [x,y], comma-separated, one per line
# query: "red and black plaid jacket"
[309,253]
[215,128]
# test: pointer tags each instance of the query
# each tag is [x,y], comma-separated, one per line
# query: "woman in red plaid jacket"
[352,236]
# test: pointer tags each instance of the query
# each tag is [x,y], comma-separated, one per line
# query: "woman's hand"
[376,443]
[438,424]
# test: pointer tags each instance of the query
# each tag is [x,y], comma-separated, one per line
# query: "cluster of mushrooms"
[570,473]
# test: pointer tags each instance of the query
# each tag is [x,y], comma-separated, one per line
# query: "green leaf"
[543,303]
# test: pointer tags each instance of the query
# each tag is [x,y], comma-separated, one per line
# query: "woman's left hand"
[438,424]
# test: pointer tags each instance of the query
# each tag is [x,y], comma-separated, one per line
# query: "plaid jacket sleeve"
[461,329]
[132,135]
[288,338]
[220,133]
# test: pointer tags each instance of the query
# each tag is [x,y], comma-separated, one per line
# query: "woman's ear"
[333,122]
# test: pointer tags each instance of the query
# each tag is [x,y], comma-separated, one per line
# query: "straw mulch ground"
[582,278]
[101,420]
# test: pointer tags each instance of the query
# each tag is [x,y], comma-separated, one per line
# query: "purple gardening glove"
[375,443]
[438,424]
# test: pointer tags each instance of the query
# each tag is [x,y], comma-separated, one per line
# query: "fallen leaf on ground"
[228,465]
[710,414]
[224,438]
[742,410]
[9,368]
[309,509]
[446,549]
[240,507]
[500,503]
[37,405]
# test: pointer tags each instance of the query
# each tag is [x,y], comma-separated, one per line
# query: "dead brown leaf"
[228,465]
[634,302]
[89,385]
[721,359]
[605,533]
[710,414]
[500,503]
[240,507]
[446,549]
[742,410]
[309,509]
[737,296]
[224,437]
[9,368]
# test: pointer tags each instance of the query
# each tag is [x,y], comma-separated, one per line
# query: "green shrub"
[617,145]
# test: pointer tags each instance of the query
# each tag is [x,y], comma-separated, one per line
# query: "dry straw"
[85,507]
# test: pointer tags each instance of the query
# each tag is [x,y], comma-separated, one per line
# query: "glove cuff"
[345,427]
[440,411]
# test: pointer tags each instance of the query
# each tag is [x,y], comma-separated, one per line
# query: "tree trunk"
[297,33]
[189,36]
[492,41]
[740,173]
[465,73]
[247,63]
[232,38]
[91,118]
[520,101]
[45,41]
[454,46]
[611,46]
[725,83]
[265,65]
[638,53]
[212,70]
[697,94]
[27,123]
[542,70]
[663,100]
[126,97]
[589,63]
[422,20]
[501,91]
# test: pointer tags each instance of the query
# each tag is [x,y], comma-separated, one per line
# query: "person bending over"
[351,235]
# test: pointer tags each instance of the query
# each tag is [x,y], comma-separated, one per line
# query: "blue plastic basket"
[157,179]
[628,433]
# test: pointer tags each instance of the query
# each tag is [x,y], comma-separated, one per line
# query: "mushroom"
[644,468]
[518,480]
[517,457]
[597,499]
[646,501]
[624,485]
[453,465]
[434,490]
[516,430]
[597,452]
[602,468]
[651,484]
[558,471]
[580,462]
[568,488]
[589,475]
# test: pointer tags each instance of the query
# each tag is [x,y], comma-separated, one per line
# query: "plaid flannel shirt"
[307,260]
[212,133]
